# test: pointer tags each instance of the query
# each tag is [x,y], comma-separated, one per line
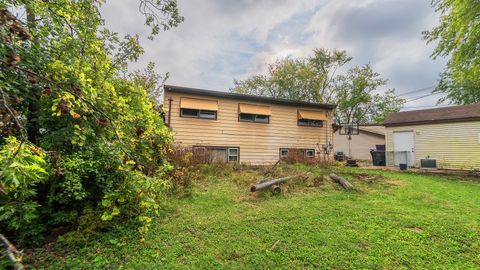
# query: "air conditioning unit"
[428,163]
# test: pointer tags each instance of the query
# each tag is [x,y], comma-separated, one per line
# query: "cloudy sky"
[225,39]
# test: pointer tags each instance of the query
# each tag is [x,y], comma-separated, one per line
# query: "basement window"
[308,153]
[232,154]
[257,118]
[283,152]
[217,154]
[193,113]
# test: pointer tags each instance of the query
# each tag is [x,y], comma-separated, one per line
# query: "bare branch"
[14,116]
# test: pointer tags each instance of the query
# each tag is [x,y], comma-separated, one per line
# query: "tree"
[356,102]
[458,36]
[152,82]
[79,137]
[315,79]
[307,79]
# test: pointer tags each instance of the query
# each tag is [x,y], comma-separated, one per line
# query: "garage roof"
[440,115]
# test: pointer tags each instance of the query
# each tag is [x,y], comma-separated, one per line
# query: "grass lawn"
[392,221]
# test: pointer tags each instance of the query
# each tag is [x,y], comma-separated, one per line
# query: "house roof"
[376,129]
[229,95]
[440,115]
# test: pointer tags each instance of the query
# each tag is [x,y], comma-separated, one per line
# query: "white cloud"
[222,40]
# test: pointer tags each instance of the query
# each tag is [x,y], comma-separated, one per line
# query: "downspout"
[169,112]
[329,140]
[327,146]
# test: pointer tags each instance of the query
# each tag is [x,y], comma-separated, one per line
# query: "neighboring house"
[368,136]
[446,138]
[252,129]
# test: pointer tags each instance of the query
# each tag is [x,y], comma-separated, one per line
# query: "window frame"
[254,118]
[198,114]
[281,150]
[309,123]
[226,148]
[308,150]
[237,155]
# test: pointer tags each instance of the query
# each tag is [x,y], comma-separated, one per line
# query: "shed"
[445,138]
[368,136]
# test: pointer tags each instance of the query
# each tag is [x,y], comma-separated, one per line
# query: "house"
[446,138]
[243,128]
[369,135]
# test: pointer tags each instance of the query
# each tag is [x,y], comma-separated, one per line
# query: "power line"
[426,106]
[420,97]
[417,90]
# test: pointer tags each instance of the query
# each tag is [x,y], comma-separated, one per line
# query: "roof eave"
[441,121]
[210,93]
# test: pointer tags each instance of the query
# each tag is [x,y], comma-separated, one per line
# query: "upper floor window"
[249,117]
[254,113]
[310,123]
[311,118]
[198,108]
[198,113]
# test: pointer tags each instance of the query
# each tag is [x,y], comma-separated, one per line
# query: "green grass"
[395,221]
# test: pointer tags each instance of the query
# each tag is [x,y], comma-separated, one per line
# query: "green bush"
[23,168]
[85,137]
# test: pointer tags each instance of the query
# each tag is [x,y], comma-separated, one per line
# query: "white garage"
[445,138]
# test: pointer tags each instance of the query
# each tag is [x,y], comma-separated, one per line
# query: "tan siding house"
[450,136]
[245,128]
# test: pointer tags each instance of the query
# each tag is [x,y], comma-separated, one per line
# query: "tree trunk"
[34,102]
[344,183]
[266,184]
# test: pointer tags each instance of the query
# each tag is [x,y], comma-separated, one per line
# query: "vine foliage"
[78,136]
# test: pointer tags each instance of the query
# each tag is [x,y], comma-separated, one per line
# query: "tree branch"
[13,254]
[89,103]
[10,111]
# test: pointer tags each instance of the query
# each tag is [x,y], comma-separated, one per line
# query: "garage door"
[403,147]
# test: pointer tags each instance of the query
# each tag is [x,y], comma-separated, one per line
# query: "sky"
[225,39]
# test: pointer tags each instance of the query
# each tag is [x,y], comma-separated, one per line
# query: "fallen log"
[266,184]
[276,189]
[344,183]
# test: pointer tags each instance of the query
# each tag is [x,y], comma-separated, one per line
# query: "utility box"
[428,163]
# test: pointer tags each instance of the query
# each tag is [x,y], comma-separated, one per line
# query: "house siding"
[259,143]
[454,145]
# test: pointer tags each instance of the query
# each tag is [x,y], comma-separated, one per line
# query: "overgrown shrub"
[185,167]
[298,156]
[84,138]
[23,169]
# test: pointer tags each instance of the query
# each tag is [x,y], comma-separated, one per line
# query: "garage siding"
[454,145]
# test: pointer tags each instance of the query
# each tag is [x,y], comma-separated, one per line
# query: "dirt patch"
[368,178]
[415,229]
[395,182]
